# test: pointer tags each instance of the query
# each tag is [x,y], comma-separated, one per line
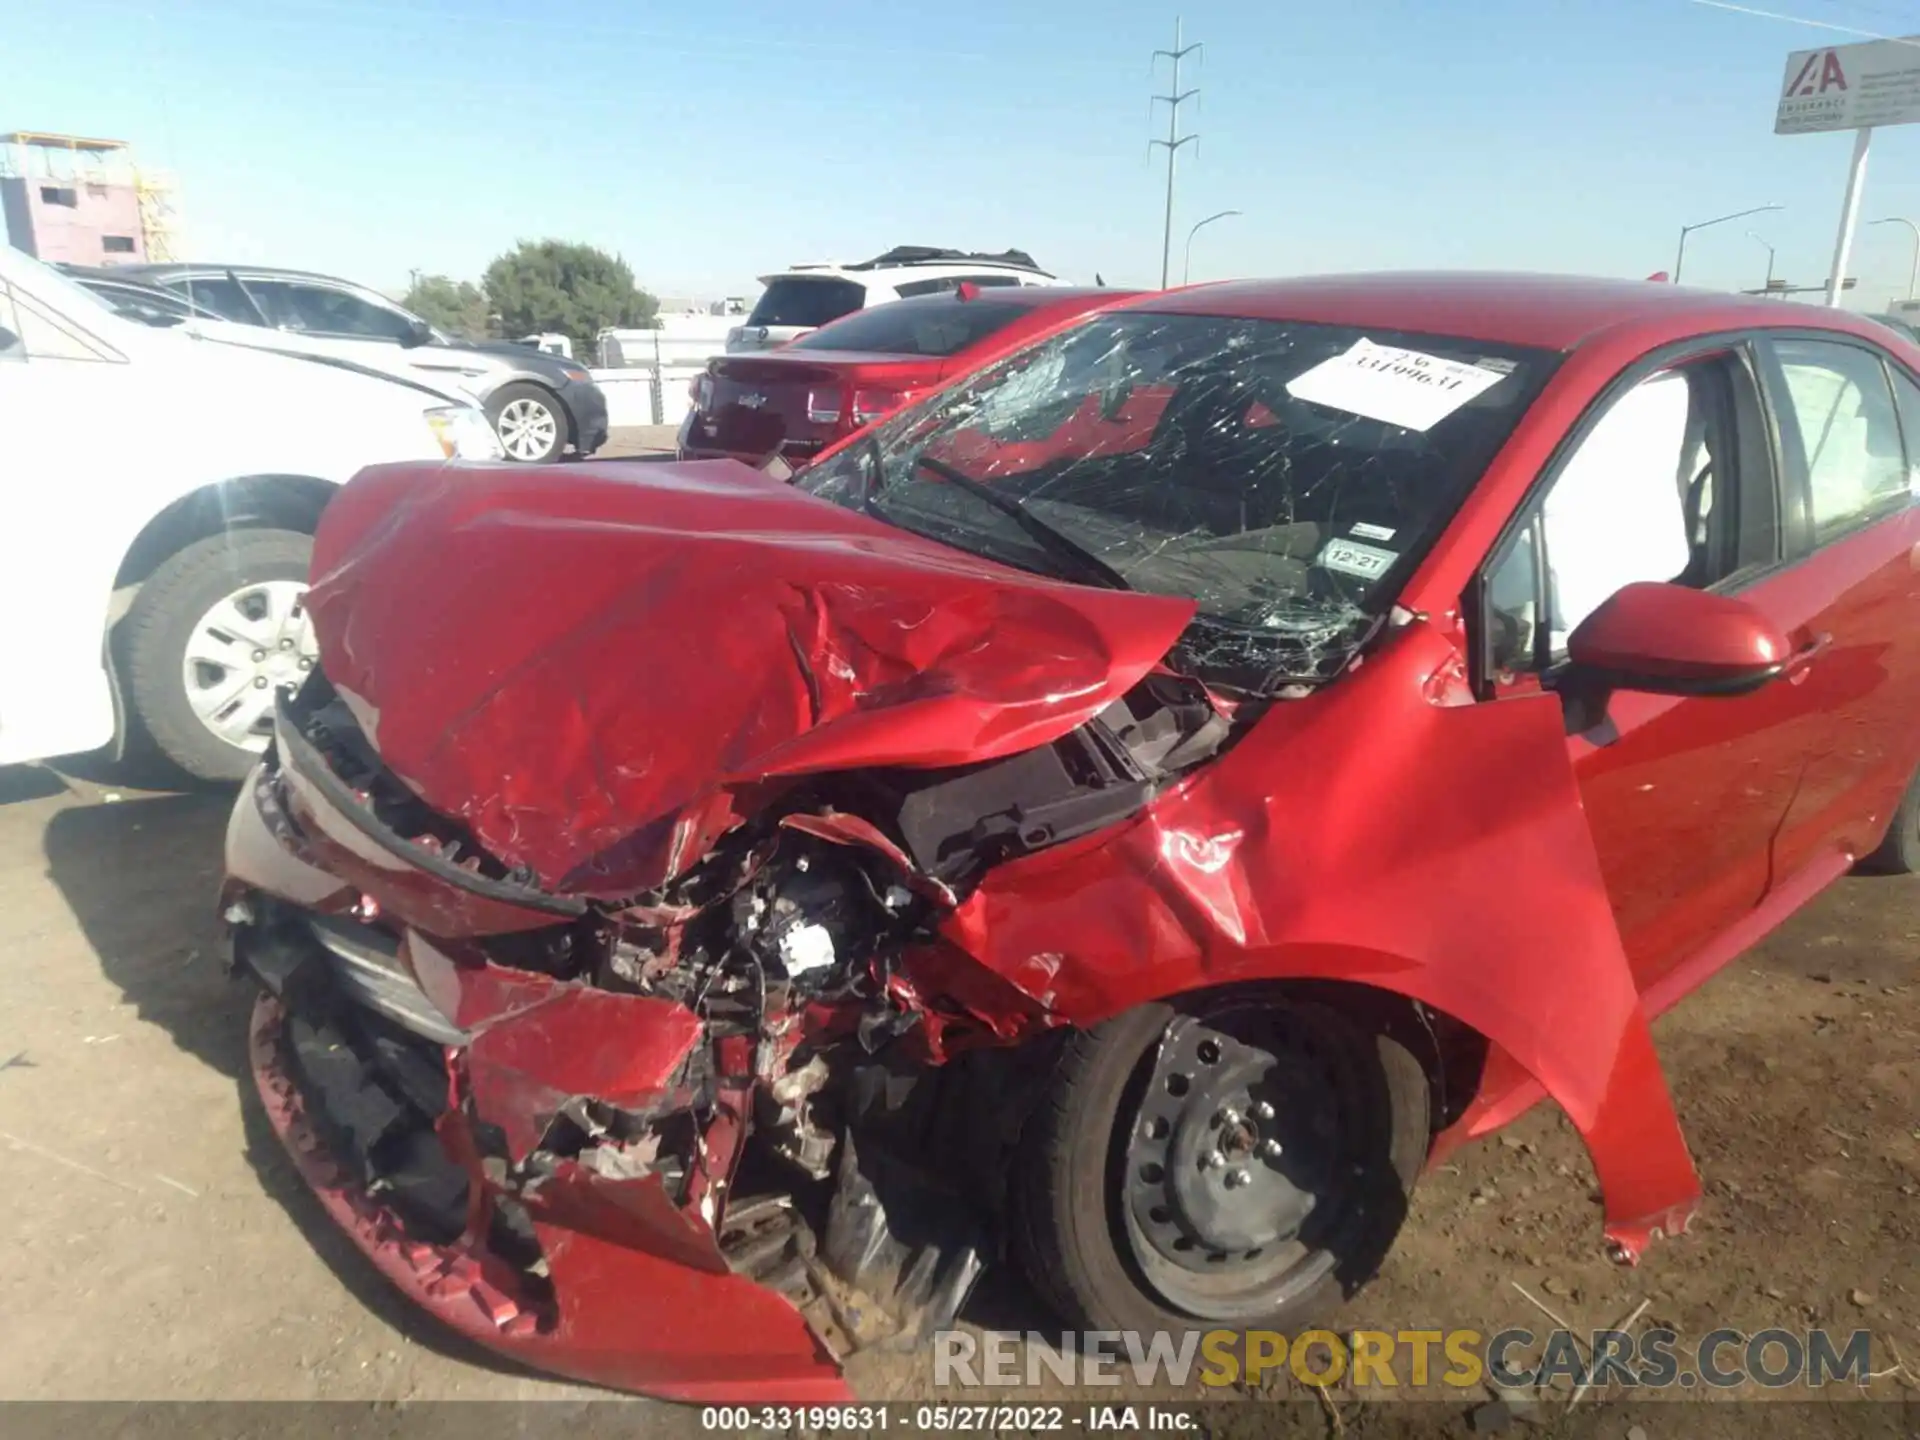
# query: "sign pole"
[1849,215]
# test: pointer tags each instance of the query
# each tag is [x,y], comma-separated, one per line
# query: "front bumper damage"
[546,1167]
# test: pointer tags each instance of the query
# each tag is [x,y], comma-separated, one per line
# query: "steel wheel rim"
[247,647]
[1254,1092]
[527,429]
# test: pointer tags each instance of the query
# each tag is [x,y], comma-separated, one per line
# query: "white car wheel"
[246,648]
[215,633]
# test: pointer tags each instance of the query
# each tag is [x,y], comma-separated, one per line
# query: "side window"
[1839,401]
[217,294]
[43,337]
[1646,494]
[321,310]
[1906,395]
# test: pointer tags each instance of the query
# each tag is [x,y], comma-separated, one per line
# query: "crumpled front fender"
[1448,860]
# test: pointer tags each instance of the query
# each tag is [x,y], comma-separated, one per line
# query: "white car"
[158,493]
[806,297]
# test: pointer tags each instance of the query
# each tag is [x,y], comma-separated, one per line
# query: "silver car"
[540,405]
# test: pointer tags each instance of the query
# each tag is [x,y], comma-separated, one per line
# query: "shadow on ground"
[20,783]
[141,877]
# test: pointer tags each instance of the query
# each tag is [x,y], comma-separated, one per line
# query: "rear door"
[1670,476]
[1849,425]
[337,320]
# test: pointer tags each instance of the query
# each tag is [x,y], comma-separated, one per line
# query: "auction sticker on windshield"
[1400,387]
[1350,557]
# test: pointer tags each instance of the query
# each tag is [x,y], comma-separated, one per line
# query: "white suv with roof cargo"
[159,489]
[806,297]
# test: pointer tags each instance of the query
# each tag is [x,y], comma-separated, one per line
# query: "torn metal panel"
[628,1319]
[847,642]
[1448,860]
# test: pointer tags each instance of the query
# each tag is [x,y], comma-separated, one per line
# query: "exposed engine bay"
[804,1128]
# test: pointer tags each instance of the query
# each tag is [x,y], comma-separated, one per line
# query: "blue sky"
[711,142]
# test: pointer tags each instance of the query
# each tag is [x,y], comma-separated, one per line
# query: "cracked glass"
[1167,454]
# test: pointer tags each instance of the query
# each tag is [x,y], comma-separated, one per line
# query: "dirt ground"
[159,1246]
[631,441]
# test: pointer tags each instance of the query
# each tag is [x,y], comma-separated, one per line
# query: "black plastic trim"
[298,753]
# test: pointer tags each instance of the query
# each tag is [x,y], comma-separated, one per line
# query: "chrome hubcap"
[242,652]
[527,429]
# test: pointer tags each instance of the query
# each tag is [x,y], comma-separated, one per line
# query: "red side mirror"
[1670,640]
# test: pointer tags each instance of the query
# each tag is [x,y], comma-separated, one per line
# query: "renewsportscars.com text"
[1515,1358]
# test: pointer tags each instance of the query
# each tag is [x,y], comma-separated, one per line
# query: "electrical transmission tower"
[1175,139]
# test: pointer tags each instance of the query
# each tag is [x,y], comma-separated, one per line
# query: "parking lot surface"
[159,1246]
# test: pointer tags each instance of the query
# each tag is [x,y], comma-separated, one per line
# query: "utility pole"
[1173,101]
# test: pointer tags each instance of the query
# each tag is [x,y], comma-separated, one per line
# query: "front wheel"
[1899,851]
[529,422]
[1236,1160]
[215,632]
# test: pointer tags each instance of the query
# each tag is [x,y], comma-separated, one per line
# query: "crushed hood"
[593,666]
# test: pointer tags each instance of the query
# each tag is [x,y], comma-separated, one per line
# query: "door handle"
[1797,663]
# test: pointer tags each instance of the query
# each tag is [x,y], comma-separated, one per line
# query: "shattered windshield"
[1284,475]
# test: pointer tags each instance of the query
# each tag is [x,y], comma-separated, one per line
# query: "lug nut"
[306,664]
[258,656]
[1263,1110]
[259,682]
[286,644]
[1271,1149]
[1209,1159]
[1235,1179]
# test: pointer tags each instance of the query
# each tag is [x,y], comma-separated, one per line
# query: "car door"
[338,320]
[1849,424]
[334,321]
[1670,476]
[61,388]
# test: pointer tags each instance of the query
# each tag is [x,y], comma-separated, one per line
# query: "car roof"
[209,267]
[1552,312]
[887,275]
[106,274]
[1027,297]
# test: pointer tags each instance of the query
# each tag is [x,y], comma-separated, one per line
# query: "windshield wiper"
[1091,567]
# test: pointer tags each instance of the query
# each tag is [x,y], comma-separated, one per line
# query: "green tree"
[543,286]
[455,306]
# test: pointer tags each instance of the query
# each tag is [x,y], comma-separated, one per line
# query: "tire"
[531,422]
[257,571]
[1899,851]
[1073,1217]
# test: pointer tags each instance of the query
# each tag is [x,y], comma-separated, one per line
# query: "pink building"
[71,200]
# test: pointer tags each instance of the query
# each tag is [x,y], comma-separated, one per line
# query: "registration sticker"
[1350,557]
[1408,388]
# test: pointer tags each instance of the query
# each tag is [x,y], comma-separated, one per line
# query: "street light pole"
[1764,241]
[1686,230]
[1913,273]
[1186,269]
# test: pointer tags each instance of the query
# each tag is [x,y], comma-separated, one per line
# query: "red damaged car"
[1121,816]
[788,405]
